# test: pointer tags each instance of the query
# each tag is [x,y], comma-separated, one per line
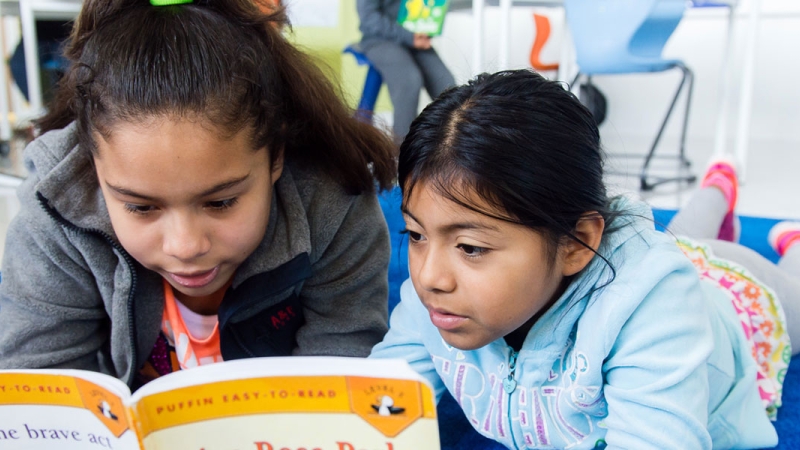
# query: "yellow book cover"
[291,403]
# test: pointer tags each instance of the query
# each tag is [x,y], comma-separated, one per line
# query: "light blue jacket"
[654,359]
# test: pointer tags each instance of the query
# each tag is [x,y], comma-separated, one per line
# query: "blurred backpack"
[594,100]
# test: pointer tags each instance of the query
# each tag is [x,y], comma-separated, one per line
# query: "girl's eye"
[412,235]
[472,250]
[222,204]
[138,209]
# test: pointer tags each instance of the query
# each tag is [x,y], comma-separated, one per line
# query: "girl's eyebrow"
[211,191]
[453,227]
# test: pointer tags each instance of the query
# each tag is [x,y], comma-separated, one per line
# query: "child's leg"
[435,74]
[403,78]
[790,262]
[702,217]
[784,238]
[709,213]
[785,283]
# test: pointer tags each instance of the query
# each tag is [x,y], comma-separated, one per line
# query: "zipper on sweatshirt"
[128,261]
[509,386]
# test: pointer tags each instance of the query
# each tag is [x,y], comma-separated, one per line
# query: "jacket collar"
[555,325]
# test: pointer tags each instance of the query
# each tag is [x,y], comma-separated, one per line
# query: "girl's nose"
[434,273]
[185,238]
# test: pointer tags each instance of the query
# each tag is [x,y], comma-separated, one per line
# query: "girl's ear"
[589,229]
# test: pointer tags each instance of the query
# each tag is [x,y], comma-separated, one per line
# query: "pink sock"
[720,180]
[727,231]
[784,235]
[724,184]
[721,175]
[787,240]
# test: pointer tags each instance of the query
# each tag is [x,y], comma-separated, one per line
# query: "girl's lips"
[444,320]
[195,280]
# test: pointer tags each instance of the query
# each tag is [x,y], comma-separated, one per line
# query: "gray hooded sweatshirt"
[378,22]
[72,297]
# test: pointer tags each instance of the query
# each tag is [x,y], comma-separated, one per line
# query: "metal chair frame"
[648,182]
[633,45]
[372,84]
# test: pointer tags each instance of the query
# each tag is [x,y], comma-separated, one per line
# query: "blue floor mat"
[455,431]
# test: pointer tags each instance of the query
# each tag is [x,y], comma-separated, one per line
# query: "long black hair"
[224,62]
[523,144]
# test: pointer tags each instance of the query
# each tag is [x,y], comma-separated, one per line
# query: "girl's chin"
[460,344]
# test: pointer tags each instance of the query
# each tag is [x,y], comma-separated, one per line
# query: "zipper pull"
[510,384]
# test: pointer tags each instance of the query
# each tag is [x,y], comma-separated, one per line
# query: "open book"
[423,16]
[324,403]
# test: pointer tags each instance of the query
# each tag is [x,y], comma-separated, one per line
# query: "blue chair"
[628,36]
[372,84]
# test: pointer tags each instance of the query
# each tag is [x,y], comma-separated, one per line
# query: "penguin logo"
[105,409]
[386,407]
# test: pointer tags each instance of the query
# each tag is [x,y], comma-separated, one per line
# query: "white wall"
[637,102]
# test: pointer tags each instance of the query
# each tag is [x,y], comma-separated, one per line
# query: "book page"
[63,410]
[280,366]
[290,403]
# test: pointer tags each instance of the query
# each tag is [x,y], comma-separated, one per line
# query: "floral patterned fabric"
[760,313]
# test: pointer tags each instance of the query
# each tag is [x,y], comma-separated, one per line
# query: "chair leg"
[574,80]
[690,87]
[646,183]
[369,95]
